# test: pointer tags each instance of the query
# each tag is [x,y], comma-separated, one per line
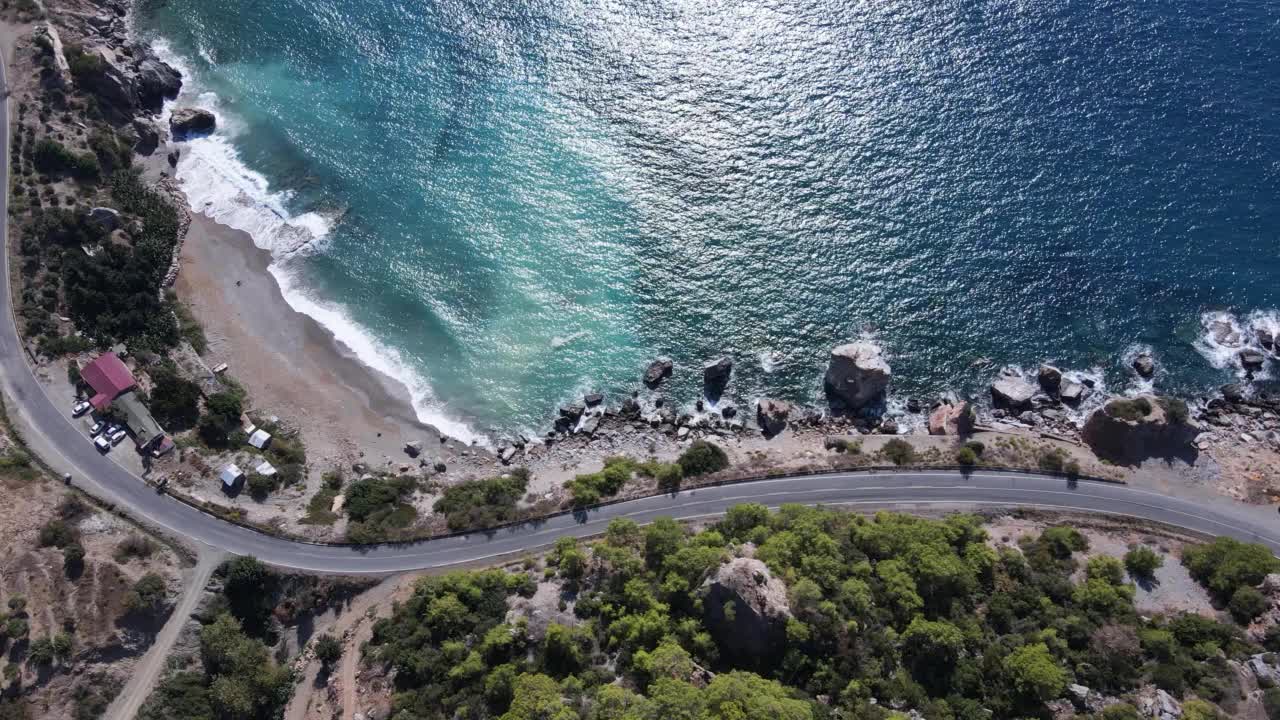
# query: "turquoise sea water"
[505,203]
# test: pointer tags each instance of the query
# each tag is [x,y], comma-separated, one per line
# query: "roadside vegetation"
[884,612]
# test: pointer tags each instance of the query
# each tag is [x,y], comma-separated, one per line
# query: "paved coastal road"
[50,433]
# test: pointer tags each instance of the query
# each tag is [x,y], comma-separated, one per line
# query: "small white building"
[231,475]
[265,469]
[259,439]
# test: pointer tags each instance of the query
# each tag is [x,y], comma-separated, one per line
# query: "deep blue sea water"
[506,202]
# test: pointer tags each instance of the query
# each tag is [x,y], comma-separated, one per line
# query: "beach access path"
[49,432]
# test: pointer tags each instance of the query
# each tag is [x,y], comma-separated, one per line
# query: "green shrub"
[1226,564]
[58,534]
[483,503]
[147,595]
[260,486]
[1052,460]
[1175,409]
[328,649]
[1247,603]
[899,452]
[134,546]
[320,508]
[54,158]
[701,458]
[1142,562]
[175,400]
[966,456]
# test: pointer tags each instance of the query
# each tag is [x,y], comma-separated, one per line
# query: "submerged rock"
[1144,365]
[857,374]
[658,371]
[191,121]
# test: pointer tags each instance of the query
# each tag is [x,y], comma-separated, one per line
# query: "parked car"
[97,428]
[112,429]
[102,443]
[80,408]
[117,436]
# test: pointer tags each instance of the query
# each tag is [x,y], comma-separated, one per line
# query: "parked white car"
[102,443]
[80,408]
[117,436]
[97,428]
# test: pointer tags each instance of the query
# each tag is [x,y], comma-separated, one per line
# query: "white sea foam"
[218,184]
[771,360]
[560,341]
[1138,384]
[1223,336]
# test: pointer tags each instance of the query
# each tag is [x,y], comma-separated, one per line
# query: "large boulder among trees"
[746,610]
[1130,430]
[857,374]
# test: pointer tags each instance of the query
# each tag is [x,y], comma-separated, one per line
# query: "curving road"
[49,431]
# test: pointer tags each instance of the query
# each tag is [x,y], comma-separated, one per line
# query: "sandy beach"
[290,364]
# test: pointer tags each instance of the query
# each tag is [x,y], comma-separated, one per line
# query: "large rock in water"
[1050,379]
[657,371]
[1011,392]
[1130,430]
[754,630]
[1144,365]
[948,419]
[772,415]
[857,374]
[192,121]
[715,376]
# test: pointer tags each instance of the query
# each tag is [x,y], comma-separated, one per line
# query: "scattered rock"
[1050,379]
[413,448]
[755,629]
[728,411]
[889,427]
[173,158]
[104,217]
[715,376]
[857,374]
[572,412]
[1144,365]
[1160,705]
[506,455]
[658,371]
[1011,392]
[1224,334]
[1233,393]
[1266,338]
[191,121]
[1027,417]
[948,419]
[589,425]
[592,399]
[630,408]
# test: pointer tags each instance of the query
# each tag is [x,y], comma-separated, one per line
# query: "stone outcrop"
[1072,392]
[658,371]
[857,374]
[772,415]
[1159,705]
[1251,359]
[948,419]
[746,611]
[47,36]
[1130,430]
[1011,392]
[156,82]
[148,137]
[111,79]
[191,121]
[715,376]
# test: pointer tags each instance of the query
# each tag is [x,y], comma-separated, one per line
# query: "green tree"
[1226,564]
[248,587]
[1105,568]
[175,400]
[1247,603]
[1199,710]
[147,595]
[662,538]
[735,695]
[1035,673]
[537,697]
[931,648]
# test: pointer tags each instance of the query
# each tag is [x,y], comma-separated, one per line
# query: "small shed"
[265,469]
[231,476]
[260,439]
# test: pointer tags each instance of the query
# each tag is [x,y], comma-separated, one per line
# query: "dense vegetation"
[591,488]
[483,503]
[890,612]
[376,508]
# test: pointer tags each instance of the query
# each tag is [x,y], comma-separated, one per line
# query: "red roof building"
[108,377]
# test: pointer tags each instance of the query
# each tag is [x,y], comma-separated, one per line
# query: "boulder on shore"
[191,121]
[857,374]
[715,376]
[1072,392]
[156,81]
[755,629]
[657,371]
[1011,392]
[1050,379]
[1130,430]
[148,137]
[948,419]
[772,415]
